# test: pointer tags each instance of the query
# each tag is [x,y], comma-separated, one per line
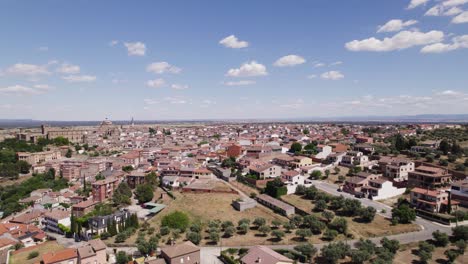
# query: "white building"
[323,151]
[382,188]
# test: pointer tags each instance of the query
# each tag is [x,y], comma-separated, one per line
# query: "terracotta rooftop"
[180,249]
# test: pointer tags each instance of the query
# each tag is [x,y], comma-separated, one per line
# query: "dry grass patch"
[22,256]
[406,256]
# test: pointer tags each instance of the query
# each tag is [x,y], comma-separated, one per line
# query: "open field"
[210,206]
[22,256]
[379,227]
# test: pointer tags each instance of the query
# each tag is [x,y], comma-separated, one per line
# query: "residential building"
[381,188]
[430,200]
[265,171]
[354,158]
[459,192]
[355,184]
[82,208]
[396,169]
[64,256]
[263,254]
[104,189]
[185,253]
[429,177]
[98,224]
[136,178]
[54,218]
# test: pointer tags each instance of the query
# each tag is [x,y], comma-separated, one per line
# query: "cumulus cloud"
[239,83]
[22,90]
[289,60]
[68,69]
[233,42]
[135,48]
[459,42]
[28,69]
[248,69]
[416,3]
[162,67]
[176,86]
[402,40]
[157,83]
[395,25]
[332,75]
[461,18]
[79,78]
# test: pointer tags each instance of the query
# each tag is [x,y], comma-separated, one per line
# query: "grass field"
[379,227]
[22,257]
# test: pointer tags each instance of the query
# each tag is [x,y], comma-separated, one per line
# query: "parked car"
[359,195]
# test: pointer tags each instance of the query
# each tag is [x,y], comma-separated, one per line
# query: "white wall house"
[382,189]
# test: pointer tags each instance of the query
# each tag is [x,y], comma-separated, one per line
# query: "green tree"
[328,215]
[259,221]
[316,175]
[440,239]
[335,251]
[229,231]
[276,188]
[296,147]
[460,233]
[122,258]
[278,234]
[122,194]
[69,153]
[264,229]
[306,249]
[152,179]
[194,237]
[391,245]
[403,214]
[303,233]
[176,220]
[367,214]
[144,193]
[339,224]
[320,206]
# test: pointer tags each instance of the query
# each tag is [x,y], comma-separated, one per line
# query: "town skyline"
[244,61]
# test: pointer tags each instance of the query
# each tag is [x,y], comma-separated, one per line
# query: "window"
[182,260]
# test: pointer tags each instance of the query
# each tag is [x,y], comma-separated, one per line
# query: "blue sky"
[87,60]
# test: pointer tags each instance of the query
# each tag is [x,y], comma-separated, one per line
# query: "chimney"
[259,260]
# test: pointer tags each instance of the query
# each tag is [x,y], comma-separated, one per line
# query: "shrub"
[33,254]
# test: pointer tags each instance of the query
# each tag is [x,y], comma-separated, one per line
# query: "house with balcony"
[429,177]
[431,201]
[265,171]
[104,189]
[54,218]
[459,191]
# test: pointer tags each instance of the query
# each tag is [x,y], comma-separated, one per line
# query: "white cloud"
[248,69]
[233,42]
[150,101]
[319,64]
[239,83]
[135,48]
[27,69]
[175,100]
[79,78]
[454,2]
[312,76]
[294,105]
[332,75]
[461,18]
[157,83]
[441,10]
[21,90]
[336,63]
[43,87]
[179,86]
[459,42]
[112,43]
[416,3]
[68,69]
[289,60]
[402,40]
[396,25]
[162,67]
[449,93]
